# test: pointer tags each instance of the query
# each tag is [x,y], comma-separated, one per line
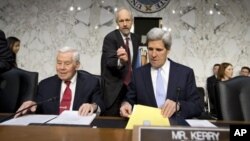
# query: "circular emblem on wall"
[148,6]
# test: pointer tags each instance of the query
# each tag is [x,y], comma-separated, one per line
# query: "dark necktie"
[65,103]
[127,76]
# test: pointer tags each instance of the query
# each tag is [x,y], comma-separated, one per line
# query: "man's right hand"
[26,104]
[126,109]
[122,55]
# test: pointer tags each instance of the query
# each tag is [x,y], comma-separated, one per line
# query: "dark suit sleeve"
[191,105]
[132,93]
[97,96]
[109,52]
[6,58]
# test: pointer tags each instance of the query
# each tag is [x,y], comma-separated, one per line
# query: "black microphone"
[38,103]
[178,91]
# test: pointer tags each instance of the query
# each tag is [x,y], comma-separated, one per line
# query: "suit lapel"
[135,49]
[56,93]
[149,86]
[119,39]
[78,90]
[172,82]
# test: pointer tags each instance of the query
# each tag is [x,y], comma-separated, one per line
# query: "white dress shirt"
[72,88]
[165,74]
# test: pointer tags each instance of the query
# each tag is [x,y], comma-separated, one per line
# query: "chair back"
[245,99]
[16,86]
[232,94]
[96,76]
[201,93]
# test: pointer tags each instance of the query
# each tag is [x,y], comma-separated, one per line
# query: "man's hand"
[26,104]
[87,109]
[126,109]
[169,108]
[122,55]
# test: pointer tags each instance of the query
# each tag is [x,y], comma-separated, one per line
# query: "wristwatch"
[178,106]
[95,107]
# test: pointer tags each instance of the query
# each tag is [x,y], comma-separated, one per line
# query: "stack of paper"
[72,118]
[28,119]
[199,123]
[145,115]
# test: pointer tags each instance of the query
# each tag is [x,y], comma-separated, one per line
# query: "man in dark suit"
[163,83]
[6,58]
[118,60]
[82,88]
[211,89]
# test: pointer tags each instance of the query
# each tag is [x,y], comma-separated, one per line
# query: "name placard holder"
[159,133]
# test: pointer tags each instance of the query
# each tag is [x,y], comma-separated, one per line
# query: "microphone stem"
[10,116]
[38,103]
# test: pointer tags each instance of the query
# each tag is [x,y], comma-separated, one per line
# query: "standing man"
[119,54]
[6,58]
[163,83]
[74,90]
[211,89]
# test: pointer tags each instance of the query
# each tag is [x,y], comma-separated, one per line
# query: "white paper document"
[199,123]
[72,118]
[27,119]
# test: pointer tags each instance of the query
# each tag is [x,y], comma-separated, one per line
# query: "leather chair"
[205,114]
[244,98]
[201,92]
[233,98]
[96,76]
[16,86]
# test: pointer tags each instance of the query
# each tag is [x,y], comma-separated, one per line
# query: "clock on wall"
[148,6]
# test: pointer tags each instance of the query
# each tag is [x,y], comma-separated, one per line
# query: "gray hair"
[120,9]
[76,55]
[159,34]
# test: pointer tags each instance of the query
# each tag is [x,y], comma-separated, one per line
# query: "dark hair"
[222,68]
[216,65]
[11,41]
[245,67]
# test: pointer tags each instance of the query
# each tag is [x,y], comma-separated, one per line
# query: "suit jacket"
[111,74]
[141,89]
[87,91]
[6,58]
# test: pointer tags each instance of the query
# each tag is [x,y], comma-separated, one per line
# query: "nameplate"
[151,133]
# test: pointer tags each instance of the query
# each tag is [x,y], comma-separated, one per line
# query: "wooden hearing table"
[105,129]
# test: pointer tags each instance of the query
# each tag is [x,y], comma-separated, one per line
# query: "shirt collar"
[164,67]
[124,37]
[73,79]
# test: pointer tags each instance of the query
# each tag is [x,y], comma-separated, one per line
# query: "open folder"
[65,118]
[145,115]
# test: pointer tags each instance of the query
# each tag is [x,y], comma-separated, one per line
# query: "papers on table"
[199,123]
[72,118]
[27,119]
[66,117]
[145,115]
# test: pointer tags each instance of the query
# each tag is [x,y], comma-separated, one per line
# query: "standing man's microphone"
[35,104]
[178,91]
